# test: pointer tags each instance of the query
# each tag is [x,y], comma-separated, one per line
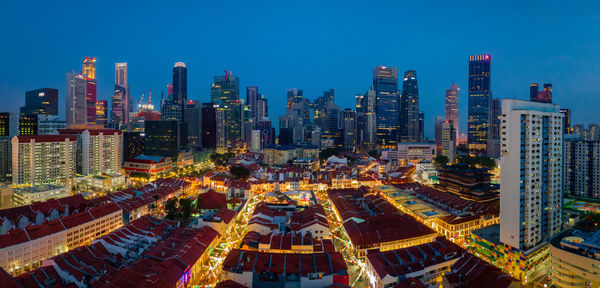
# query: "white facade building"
[43,159]
[531,179]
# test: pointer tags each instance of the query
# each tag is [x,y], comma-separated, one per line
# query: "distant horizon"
[314,47]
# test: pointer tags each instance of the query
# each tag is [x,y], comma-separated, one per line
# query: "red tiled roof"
[105,131]
[46,138]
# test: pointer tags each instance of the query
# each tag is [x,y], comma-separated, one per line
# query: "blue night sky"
[311,45]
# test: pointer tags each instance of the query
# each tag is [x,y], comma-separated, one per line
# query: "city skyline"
[291,60]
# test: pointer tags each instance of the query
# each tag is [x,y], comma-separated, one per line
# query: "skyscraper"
[118,110]
[225,92]
[409,109]
[540,96]
[101,112]
[179,83]
[88,71]
[76,99]
[193,117]
[385,84]
[4,124]
[494,142]
[165,138]
[121,104]
[480,103]
[452,106]
[349,129]
[531,175]
[566,120]
[252,98]
[209,125]
[534,88]
[89,67]
[41,101]
[133,145]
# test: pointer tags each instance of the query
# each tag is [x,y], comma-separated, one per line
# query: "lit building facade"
[480,103]
[452,106]
[41,101]
[99,150]
[531,179]
[581,166]
[410,126]
[43,159]
[101,112]
[385,84]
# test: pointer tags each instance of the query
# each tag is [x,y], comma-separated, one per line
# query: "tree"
[441,160]
[326,153]
[374,154]
[240,172]
[466,159]
[185,207]
[486,162]
[171,208]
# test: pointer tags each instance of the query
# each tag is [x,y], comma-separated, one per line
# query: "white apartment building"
[43,159]
[101,150]
[531,176]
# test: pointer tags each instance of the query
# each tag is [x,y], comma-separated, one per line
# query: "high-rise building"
[452,106]
[534,88]
[5,160]
[385,85]
[221,126]
[209,125]
[252,98]
[294,96]
[165,138]
[118,109]
[90,100]
[320,106]
[439,122]
[192,115]
[262,108]
[582,163]
[43,159]
[88,71]
[540,96]
[349,129]
[121,104]
[40,124]
[531,176]
[41,101]
[592,133]
[566,120]
[101,112]
[480,103]
[267,135]
[410,128]
[179,83]
[89,67]
[496,115]
[448,141]
[4,124]
[225,93]
[76,99]
[99,150]
[133,145]
[421,126]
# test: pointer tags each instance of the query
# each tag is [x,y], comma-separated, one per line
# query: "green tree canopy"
[239,172]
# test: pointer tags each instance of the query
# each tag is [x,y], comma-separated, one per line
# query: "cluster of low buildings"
[32,233]
[148,252]
[286,244]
